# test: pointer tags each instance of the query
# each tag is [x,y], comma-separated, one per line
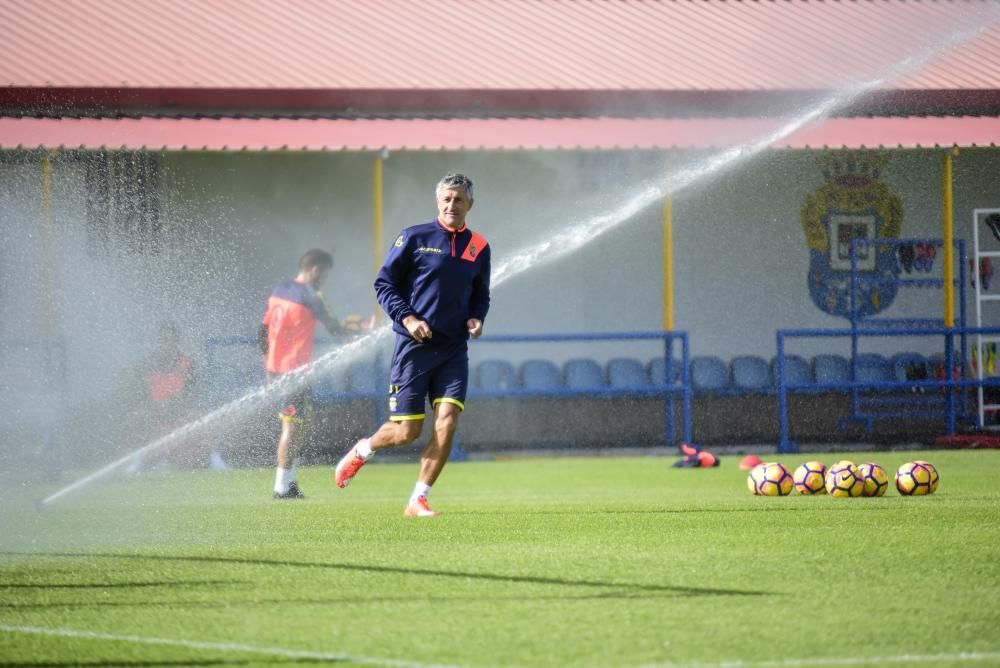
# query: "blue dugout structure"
[946,406]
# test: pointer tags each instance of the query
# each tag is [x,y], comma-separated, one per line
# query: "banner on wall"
[852,203]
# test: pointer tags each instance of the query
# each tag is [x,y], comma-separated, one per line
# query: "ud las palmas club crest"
[852,204]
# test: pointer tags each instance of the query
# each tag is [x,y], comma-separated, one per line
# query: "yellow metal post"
[668,264]
[377,222]
[947,236]
[48,261]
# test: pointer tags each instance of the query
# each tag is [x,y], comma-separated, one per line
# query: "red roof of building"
[684,67]
[135,47]
[489,134]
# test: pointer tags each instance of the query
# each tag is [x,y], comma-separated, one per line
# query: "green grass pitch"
[536,562]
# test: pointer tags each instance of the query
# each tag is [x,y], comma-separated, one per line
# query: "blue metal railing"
[677,385]
[669,390]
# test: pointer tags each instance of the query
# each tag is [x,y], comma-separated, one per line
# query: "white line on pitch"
[217,646]
[975,657]
[969,657]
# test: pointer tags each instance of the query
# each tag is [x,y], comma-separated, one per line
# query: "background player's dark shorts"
[421,371]
[296,406]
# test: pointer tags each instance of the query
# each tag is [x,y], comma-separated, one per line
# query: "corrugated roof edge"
[299,103]
[489,134]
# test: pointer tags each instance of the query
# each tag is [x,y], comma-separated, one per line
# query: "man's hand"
[417,328]
[475,327]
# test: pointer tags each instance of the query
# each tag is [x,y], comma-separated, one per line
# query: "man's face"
[317,276]
[453,205]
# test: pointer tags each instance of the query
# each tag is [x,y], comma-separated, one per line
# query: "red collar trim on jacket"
[448,229]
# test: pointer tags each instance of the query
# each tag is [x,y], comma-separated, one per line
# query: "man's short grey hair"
[452,182]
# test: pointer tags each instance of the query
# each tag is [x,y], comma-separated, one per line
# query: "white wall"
[236,223]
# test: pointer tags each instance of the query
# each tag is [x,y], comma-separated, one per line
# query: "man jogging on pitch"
[435,287]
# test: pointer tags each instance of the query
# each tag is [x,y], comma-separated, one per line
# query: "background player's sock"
[420,490]
[364,449]
[282,480]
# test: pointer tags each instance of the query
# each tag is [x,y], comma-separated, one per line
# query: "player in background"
[435,287]
[286,340]
[167,401]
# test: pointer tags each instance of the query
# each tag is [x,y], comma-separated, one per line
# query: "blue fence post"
[686,378]
[670,430]
[949,364]
[966,410]
[855,395]
[380,382]
[784,444]
[210,353]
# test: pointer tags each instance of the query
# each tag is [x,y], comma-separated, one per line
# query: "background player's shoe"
[419,508]
[688,462]
[293,493]
[348,467]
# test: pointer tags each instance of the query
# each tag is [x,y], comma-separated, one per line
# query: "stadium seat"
[627,372]
[709,374]
[582,373]
[797,370]
[910,366]
[751,373]
[873,368]
[657,369]
[831,369]
[496,375]
[540,375]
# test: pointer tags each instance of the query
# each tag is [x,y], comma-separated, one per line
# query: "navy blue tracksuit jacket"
[440,276]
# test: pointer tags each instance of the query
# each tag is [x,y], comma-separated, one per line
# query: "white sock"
[420,490]
[282,480]
[364,449]
[295,463]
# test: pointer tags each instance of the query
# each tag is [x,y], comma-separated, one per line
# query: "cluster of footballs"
[843,479]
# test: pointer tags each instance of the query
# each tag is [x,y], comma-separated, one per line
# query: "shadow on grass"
[360,600]
[117,585]
[153,664]
[396,570]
